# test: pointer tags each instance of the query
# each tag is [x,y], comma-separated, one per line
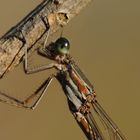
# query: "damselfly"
[79,91]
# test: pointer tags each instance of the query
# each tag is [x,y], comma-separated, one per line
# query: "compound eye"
[63,49]
[62,46]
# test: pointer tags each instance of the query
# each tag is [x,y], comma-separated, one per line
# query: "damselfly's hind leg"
[24,104]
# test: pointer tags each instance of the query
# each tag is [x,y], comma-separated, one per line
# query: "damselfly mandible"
[79,91]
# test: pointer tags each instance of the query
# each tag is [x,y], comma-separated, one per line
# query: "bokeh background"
[105,42]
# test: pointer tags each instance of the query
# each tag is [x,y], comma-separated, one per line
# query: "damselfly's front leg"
[24,104]
[37,69]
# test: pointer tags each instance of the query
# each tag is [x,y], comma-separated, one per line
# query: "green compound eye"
[63,49]
[62,46]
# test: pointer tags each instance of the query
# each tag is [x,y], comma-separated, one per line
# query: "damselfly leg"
[24,104]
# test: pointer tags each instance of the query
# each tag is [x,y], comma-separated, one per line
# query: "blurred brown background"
[105,42]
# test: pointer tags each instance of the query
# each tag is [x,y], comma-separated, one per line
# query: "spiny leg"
[24,104]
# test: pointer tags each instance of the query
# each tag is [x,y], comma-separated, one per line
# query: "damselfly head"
[62,46]
[58,48]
